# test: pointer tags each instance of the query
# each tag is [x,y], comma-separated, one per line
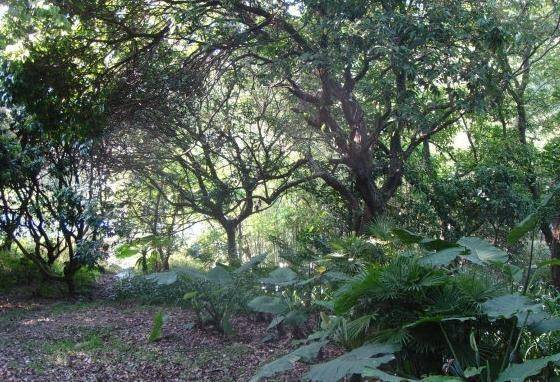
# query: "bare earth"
[102,340]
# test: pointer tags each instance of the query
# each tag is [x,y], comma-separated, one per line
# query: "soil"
[98,339]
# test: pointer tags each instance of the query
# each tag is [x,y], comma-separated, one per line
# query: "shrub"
[214,295]
[448,307]
[17,271]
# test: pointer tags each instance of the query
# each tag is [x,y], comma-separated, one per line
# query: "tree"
[371,80]
[50,199]
[145,215]
[531,31]
[221,155]
[52,186]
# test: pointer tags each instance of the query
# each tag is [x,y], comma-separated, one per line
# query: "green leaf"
[512,272]
[190,295]
[328,305]
[523,227]
[549,263]
[219,275]
[532,220]
[437,244]
[383,376]
[124,251]
[336,276]
[472,371]
[507,306]
[275,322]
[522,371]
[305,353]
[442,378]
[251,264]
[425,320]
[226,325]
[296,318]
[267,304]
[443,257]
[354,362]
[460,319]
[157,327]
[482,252]
[163,278]
[515,272]
[546,325]
[406,236]
[281,277]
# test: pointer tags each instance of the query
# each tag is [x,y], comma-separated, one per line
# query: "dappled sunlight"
[287,190]
[35,321]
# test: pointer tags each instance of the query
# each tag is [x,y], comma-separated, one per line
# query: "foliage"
[215,295]
[325,134]
[294,293]
[305,353]
[150,249]
[370,355]
[547,206]
[157,327]
[18,273]
[434,311]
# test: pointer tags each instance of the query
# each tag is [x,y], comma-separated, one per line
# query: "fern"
[351,333]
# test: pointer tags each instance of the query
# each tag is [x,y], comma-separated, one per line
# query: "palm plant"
[444,307]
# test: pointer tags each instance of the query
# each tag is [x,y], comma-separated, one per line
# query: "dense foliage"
[379,177]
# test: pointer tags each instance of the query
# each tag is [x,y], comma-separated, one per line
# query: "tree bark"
[70,270]
[233,258]
[551,233]
[70,283]
[165,261]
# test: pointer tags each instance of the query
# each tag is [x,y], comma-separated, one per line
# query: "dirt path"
[102,340]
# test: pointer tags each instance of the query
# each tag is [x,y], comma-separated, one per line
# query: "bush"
[215,295]
[16,270]
[19,272]
[147,291]
[443,306]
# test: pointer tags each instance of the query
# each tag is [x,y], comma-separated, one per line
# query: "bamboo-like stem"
[527,279]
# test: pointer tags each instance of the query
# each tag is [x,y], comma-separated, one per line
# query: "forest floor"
[103,340]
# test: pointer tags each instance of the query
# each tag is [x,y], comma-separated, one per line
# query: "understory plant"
[292,293]
[214,295]
[439,311]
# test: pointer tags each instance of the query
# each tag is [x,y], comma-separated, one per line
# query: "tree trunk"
[551,233]
[165,261]
[374,203]
[354,207]
[233,258]
[70,270]
[71,286]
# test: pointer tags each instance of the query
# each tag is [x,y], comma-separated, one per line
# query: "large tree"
[52,178]
[50,194]
[371,79]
